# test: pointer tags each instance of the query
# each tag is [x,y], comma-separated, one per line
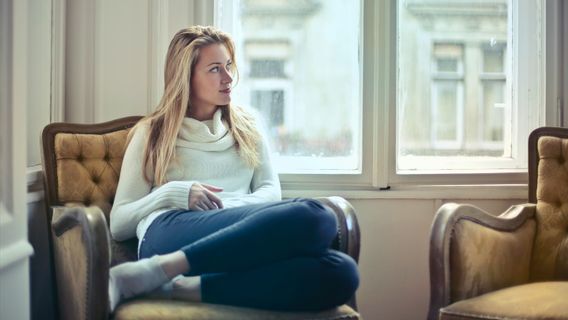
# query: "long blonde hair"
[165,122]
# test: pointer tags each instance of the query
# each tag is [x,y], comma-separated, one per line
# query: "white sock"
[165,290]
[180,288]
[186,288]
[134,278]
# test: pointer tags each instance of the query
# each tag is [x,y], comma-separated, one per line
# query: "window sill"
[458,192]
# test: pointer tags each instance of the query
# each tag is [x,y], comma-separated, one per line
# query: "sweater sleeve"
[134,199]
[265,184]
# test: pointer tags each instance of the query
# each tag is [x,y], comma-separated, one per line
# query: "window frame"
[370,175]
[378,168]
[511,172]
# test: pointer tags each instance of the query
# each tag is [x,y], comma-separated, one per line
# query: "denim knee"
[317,221]
[339,277]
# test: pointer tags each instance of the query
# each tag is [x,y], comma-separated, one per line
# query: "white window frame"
[530,93]
[371,175]
[378,141]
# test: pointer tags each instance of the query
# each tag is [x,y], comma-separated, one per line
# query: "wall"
[15,249]
[394,253]
[42,284]
[115,54]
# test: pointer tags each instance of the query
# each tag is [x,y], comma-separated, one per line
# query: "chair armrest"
[473,252]
[81,253]
[348,239]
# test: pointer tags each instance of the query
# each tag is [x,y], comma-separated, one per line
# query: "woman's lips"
[228,90]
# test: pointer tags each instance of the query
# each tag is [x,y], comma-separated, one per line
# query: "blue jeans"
[271,256]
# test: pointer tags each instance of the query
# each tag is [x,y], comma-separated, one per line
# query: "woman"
[198,189]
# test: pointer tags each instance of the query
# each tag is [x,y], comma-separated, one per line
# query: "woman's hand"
[202,198]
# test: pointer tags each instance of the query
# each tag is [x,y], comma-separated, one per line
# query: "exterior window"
[454,88]
[271,103]
[305,86]
[447,98]
[267,68]
[493,84]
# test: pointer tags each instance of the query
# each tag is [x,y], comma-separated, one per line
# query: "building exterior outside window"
[300,69]
[452,78]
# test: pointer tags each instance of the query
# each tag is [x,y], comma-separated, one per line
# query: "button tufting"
[561,160]
[106,157]
[96,179]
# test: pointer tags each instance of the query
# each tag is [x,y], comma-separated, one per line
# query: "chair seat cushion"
[171,309]
[540,300]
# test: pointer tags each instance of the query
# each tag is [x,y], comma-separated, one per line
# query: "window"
[305,86]
[465,119]
[493,90]
[417,91]
[271,104]
[447,98]
[267,68]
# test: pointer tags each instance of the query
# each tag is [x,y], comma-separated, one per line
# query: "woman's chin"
[224,102]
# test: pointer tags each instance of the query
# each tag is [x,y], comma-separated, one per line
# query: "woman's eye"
[214,69]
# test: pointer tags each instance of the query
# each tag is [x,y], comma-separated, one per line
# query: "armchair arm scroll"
[348,238]
[473,252]
[81,258]
[348,234]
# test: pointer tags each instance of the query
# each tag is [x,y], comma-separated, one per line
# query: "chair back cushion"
[82,165]
[88,167]
[550,251]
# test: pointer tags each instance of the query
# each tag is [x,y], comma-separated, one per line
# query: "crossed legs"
[277,251]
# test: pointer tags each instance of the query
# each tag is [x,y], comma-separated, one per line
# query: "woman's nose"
[227,77]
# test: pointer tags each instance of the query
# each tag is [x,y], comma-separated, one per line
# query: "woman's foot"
[180,288]
[134,278]
[187,288]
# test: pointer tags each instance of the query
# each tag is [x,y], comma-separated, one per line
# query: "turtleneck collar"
[209,135]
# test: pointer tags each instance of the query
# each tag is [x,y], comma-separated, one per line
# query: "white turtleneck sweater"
[205,153]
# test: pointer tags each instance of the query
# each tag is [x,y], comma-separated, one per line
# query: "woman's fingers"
[198,207]
[202,198]
[214,199]
[207,203]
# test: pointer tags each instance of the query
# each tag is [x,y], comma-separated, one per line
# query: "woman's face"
[211,79]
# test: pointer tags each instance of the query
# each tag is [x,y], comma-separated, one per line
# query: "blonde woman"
[198,190]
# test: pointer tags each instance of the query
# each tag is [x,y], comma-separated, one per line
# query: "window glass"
[451,81]
[300,70]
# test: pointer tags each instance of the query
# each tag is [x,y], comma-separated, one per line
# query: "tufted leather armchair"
[81,166]
[511,266]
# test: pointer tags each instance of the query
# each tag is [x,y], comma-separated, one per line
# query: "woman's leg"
[241,238]
[224,240]
[308,283]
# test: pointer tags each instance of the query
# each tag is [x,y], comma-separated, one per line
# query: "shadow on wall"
[42,295]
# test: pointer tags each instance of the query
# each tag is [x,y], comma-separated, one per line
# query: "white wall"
[116,52]
[395,236]
[14,247]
